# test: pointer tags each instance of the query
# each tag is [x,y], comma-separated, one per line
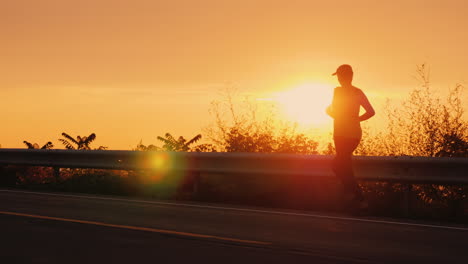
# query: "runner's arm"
[329,109]
[370,112]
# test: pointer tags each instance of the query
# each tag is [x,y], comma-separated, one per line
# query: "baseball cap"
[344,69]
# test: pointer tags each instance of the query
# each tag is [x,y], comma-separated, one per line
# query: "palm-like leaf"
[169,141]
[170,137]
[48,145]
[87,140]
[165,141]
[66,144]
[70,138]
[179,144]
[29,145]
[194,140]
[80,142]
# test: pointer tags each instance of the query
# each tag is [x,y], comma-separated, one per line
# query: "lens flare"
[161,162]
[165,175]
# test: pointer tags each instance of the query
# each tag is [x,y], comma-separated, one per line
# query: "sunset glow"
[306,103]
[133,70]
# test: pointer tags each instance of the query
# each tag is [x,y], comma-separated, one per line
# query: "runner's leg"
[342,165]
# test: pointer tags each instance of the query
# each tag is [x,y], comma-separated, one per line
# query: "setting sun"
[139,69]
[305,104]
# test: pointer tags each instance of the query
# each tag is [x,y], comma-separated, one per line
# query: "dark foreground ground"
[64,228]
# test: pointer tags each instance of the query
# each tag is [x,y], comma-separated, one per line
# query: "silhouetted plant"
[142,147]
[80,143]
[423,125]
[180,144]
[204,148]
[241,131]
[290,142]
[48,145]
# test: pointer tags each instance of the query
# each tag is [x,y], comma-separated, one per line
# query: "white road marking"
[247,210]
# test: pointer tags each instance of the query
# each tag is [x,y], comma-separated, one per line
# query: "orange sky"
[131,70]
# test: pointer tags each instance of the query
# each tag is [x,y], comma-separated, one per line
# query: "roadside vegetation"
[422,125]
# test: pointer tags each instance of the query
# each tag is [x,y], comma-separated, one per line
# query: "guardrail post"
[407,200]
[196,182]
[57,173]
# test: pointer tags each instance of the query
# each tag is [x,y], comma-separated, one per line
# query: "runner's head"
[344,74]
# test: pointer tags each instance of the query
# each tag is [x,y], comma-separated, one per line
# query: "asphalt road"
[64,228]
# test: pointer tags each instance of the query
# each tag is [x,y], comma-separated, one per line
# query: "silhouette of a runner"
[347,133]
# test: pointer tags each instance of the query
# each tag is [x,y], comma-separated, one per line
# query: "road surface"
[71,228]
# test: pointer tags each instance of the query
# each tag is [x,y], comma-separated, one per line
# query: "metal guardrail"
[401,169]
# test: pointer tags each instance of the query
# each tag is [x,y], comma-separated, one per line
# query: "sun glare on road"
[306,104]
